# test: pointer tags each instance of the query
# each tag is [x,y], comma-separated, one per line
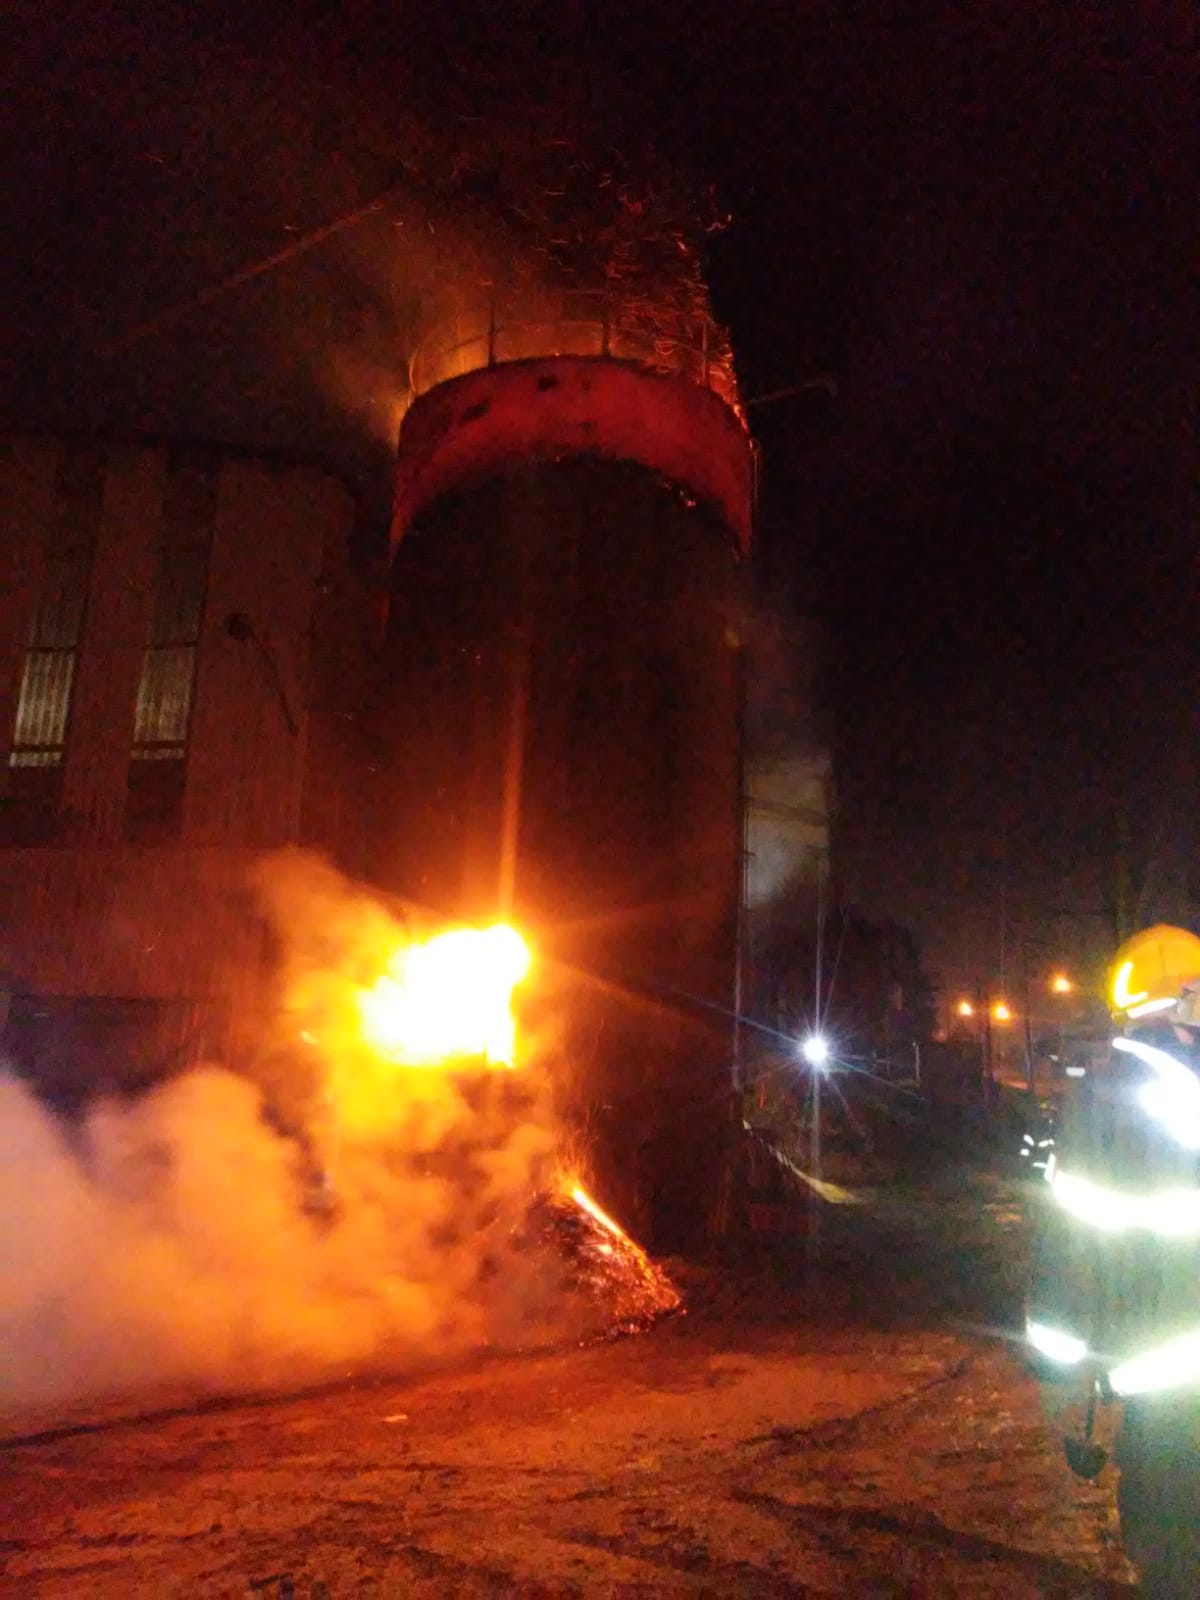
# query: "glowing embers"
[448,999]
[607,1277]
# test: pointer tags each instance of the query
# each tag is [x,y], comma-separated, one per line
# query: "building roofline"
[110,438]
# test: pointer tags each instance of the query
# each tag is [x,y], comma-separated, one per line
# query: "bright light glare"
[1174,1365]
[1061,984]
[1170,1213]
[449,998]
[1000,1012]
[965,1008]
[1174,1111]
[815,1050]
[1172,1097]
[1055,1345]
[1150,1008]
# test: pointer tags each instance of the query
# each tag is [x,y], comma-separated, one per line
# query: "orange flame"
[585,1201]
[447,999]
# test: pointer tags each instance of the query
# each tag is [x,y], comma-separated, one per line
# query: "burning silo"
[573,499]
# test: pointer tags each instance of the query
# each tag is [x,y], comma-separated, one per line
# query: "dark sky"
[979,218]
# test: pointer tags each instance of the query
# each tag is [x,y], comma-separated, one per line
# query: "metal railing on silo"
[579,326]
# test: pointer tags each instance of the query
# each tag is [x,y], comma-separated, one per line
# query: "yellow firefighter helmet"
[1151,970]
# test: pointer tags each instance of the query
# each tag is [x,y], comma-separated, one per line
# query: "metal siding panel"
[166,922]
[151,923]
[345,640]
[30,498]
[248,727]
[114,637]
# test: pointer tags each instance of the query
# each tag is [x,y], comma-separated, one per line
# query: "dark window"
[44,702]
[162,715]
[35,759]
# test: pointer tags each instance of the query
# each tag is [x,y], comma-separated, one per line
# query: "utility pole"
[1025,1004]
[721,1218]
[742,933]
[983,1005]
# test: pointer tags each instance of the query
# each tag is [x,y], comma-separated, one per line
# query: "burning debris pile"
[612,1284]
[599,225]
[583,235]
[381,1197]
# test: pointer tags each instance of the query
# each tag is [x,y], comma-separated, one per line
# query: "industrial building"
[547,726]
[179,628]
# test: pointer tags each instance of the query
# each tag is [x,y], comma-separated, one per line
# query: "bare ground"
[864,1432]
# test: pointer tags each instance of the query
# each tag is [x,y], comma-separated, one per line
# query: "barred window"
[41,726]
[164,702]
[44,702]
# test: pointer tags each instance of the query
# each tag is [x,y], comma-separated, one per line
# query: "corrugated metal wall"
[88,913]
[116,620]
[29,471]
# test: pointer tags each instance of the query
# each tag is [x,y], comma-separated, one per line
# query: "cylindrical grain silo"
[564,720]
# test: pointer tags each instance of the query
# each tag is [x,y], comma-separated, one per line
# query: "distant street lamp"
[985,1011]
[1061,984]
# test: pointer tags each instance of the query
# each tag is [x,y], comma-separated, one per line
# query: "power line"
[257,269]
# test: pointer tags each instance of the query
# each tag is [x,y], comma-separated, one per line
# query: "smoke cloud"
[323,1212]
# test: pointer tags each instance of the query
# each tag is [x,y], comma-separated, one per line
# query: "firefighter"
[1186,1017]
[1115,1293]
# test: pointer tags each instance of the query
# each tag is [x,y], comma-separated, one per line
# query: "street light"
[965,1008]
[1001,1012]
[815,1050]
[1061,984]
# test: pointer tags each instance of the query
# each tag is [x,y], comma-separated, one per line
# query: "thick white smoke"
[176,1244]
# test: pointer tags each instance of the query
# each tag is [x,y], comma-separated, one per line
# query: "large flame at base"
[348,1210]
[410,1033]
[393,1024]
[449,998]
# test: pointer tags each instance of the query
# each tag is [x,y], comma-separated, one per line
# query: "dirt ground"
[862,1431]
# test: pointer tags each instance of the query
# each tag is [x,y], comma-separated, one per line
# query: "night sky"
[982,227]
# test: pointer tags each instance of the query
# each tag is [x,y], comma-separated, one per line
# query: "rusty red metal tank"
[563,718]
